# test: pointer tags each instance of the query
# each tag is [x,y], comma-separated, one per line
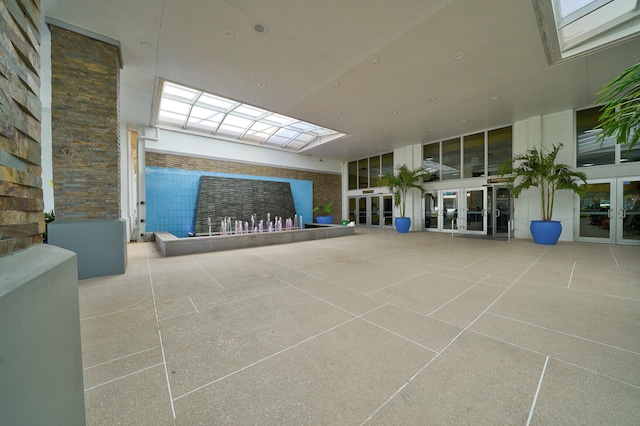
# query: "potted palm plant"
[399,184]
[327,217]
[538,169]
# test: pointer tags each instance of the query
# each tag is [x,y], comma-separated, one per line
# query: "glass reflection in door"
[431,212]
[387,209]
[450,210]
[595,207]
[502,214]
[475,209]
[628,229]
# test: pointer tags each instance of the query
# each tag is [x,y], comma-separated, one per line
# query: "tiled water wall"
[171,196]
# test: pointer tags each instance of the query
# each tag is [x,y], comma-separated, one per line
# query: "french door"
[372,210]
[479,211]
[609,211]
[441,210]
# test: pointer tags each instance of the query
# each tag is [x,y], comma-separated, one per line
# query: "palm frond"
[620,114]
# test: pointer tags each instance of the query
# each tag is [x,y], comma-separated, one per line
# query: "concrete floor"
[376,328]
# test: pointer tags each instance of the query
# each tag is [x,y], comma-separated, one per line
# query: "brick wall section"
[21,203]
[84,117]
[327,187]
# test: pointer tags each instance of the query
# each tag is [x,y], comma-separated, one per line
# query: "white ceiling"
[310,46]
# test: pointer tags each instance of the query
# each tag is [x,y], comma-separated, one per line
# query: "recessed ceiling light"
[144,43]
[394,112]
[374,59]
[260,28]
[386,130]
[262,85]
[458,56]
[432,99]
[494,98]
[588,164]
[463,121]
[335,84]
[338,113]
[227,32]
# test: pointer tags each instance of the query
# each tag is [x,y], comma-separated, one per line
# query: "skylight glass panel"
[189,109]
[242,123]
[585,25]
[181,92]
[206,114]
[250,111]
[206,125]
[217,102]
[176,107]
[280,120]
[567,7]
[172,118]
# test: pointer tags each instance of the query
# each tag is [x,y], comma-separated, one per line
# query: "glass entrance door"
[501,214]
[449,203]
[374,210]
[610,211]
[595,212]
[432,211]
[475,211]
[628,211]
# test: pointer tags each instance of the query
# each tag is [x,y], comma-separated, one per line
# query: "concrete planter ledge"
[170,245]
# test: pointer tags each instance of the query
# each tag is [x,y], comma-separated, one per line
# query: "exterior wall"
[327,187]
[21,203]
[85,132]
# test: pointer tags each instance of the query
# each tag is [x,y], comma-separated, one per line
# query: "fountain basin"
[170,245]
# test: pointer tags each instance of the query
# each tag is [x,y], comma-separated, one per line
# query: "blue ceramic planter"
[545,232]
[325,220]
[403,224]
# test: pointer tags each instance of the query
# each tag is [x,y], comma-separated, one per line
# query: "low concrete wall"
[101,244]
[40,354]
[170,245]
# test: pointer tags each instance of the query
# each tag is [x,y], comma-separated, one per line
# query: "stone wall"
[327,187]
[21,203]
[84,117]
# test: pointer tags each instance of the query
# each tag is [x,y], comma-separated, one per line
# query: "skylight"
[194,110]
[583,25]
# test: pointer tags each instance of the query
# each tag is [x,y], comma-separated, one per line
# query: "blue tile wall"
[171,197]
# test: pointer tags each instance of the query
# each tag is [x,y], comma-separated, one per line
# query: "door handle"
[497,212]
[609,213]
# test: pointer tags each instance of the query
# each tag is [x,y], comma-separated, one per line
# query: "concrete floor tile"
[587,315]
[175,307]
[111,336]
[99,298]
[204,347]
[271,335]
[573,396]
[138,399]
[620,364]
[620,284]
[447,391]
[365,276]
[242,289]
[421,329]
[341,297]
[462,310]
[121,367]
[338,377]
[425,293]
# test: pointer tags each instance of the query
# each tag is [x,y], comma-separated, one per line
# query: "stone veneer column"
[84,117]
[21,204]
